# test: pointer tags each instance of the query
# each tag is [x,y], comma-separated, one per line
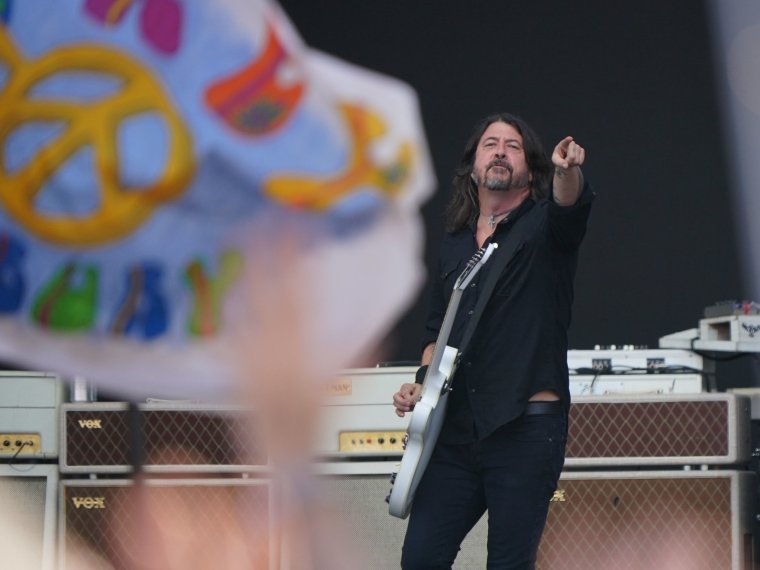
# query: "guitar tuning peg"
[393,478]
[388,498]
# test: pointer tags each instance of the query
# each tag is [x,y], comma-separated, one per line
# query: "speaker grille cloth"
[107,523]
[648,429]
[639,524]
[171,437]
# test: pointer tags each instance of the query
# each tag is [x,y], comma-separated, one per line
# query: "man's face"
[500,159]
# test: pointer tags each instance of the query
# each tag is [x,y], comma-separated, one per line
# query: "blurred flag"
[736,37]
[149,152]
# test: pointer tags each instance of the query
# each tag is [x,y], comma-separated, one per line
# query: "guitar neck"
[443,334]
[470,270]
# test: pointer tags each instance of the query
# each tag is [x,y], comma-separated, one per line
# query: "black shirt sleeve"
[568,223]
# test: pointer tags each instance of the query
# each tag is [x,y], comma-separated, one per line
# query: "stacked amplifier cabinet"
[654,482]
[665,471]
[653,479]
[200,464]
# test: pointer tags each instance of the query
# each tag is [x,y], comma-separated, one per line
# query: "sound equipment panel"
[28,498]
[234,517]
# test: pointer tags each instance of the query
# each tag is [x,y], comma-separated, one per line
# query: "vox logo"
[89,502]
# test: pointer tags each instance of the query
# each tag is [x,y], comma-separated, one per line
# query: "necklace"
[492,217]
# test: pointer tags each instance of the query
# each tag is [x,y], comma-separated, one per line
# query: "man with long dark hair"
[502,444]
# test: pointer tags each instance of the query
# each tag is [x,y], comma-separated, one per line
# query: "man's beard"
[498,184]
[504,183]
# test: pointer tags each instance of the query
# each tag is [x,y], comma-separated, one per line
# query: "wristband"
[419,376]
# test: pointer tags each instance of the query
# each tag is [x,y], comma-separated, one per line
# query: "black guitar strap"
[516,235]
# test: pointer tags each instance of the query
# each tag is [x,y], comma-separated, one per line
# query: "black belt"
[542,407]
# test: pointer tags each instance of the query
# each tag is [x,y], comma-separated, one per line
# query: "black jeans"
[512,473]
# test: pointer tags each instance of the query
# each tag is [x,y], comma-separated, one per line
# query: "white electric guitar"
[430,409]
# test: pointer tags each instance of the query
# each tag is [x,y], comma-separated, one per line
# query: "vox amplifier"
[195,523]
[687,429]
[173,438]
[640,520]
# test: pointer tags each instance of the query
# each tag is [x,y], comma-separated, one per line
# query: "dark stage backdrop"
[632,82]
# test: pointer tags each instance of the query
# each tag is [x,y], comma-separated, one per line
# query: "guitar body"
[424,428]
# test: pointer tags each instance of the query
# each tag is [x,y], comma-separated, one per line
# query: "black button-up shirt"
[519,346]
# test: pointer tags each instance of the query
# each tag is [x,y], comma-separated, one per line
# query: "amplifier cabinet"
[28,520]
[213,522]
[29,404]
[674,520]
[175,438]
[358,417]
[357,490]
[688,429]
